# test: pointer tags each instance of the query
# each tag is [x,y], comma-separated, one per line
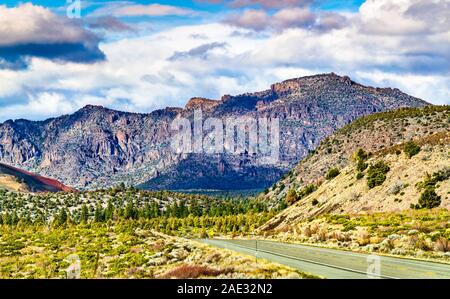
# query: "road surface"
[335,264]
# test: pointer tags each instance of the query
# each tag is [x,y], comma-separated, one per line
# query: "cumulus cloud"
[250,19]
[434,13]
[407,17]
[294,17]
[32,31]
[41,105]
[329,20]
[148,77]
[108,23]
[199,52]
[433,88]
[262,3]
[152,10]
[258,19]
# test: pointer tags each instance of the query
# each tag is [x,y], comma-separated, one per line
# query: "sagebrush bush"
[396,188]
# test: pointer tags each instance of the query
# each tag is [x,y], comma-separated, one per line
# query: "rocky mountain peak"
[321,79]
[201,103]
[93,108]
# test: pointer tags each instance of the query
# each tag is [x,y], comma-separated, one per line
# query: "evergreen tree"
[62,218]
[130,212]
[99,214]
[84,214]
[109,211]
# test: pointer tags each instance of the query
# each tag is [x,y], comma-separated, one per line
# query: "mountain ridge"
[96,146]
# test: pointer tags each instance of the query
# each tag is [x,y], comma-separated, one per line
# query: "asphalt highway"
[335,264]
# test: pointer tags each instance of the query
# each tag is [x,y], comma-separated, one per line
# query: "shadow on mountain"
[199,172]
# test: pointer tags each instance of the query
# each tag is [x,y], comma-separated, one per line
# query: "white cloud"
[435,89]
[404,17]
[40,105]
[139,76]
[294,17]
[153,10]
[33,31]
[28,23]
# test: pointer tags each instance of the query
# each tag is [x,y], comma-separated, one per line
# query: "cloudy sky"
[144,55]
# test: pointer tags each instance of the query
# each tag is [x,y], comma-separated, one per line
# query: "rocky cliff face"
[97,147]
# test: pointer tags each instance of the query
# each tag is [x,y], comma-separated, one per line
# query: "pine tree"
[62,217]
[84,214]
[130,212]
[109,212]
[99,215]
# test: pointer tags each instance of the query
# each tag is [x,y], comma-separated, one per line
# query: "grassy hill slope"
[375,134]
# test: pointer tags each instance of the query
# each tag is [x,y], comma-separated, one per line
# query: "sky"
[141,55]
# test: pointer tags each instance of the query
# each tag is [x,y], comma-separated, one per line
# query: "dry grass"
[418,243]
[435,139]
[10,183]
[363,238]
[442,244]
[322,236]
[340,236]
[195,271]
[315,228]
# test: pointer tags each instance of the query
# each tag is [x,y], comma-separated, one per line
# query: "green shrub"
[361,166]
[291,197]
[376,174]
[332,173]
[429,199]
[411,149]
[415,206]
[432,180]
[315,202]
[307,191]
[360,155]
[359,175]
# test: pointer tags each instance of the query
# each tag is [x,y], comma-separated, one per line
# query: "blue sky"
[144,55]
[325,4]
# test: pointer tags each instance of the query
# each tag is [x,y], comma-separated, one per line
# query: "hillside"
[15,179]
[384,138]
[97,147]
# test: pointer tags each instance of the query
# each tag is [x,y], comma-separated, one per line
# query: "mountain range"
[97,147]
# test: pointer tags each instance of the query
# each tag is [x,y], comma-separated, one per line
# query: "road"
[335,264]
